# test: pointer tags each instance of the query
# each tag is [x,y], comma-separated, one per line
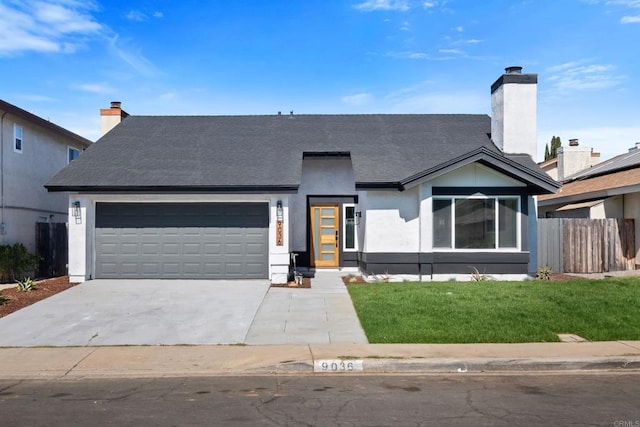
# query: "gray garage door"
[182,240]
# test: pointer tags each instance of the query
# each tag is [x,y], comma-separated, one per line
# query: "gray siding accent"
[192,240]
[444,263]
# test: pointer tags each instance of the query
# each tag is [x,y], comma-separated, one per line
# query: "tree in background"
[552,153]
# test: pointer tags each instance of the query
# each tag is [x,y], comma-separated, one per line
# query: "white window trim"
[69,148]
[344,226]
[15,137]
[518,247]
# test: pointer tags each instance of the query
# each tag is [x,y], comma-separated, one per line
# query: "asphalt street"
[503,400]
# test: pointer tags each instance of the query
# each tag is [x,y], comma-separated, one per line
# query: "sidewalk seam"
[630,346]
[79,362]
[313,358]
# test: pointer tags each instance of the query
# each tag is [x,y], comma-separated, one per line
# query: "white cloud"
[574,76]
[133,57]
[429,4]
[630,19]
[459,29]
[357,100]
[45,26]
[406,26]
[371,5]
[94,88]
[452,51]
[136,15]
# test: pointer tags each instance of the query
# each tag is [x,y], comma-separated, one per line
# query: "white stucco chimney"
[514,112]
[110,117]
[574,158]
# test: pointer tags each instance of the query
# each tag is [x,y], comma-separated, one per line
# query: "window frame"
[17,129]
[69,150]
[496,203]
[344,228]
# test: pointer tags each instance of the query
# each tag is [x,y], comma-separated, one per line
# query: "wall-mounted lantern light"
[76,212]
[358,215]
[279,211]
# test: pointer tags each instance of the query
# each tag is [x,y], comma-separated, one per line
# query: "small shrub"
[544,273]
[26,284]
[3,299]
[476,276]
[14,261]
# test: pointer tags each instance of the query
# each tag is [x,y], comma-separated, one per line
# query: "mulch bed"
[306,284]
[44,288]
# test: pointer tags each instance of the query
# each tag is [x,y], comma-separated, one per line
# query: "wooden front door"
[325,236]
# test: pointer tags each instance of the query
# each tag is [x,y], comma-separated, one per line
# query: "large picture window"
[476,222]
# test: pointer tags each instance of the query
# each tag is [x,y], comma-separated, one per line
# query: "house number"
[279,234]
[337,365]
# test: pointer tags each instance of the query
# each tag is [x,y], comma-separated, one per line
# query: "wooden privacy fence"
[586,245]
[51,247]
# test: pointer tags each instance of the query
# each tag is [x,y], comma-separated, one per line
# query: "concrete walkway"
[322,314]
[183,361]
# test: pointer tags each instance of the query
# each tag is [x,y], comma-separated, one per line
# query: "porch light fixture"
[279,211]
[358,215]
[76,212]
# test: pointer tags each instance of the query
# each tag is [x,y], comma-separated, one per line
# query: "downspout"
[2,225]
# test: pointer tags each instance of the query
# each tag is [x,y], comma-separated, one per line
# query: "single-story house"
[610,189]
[423,196]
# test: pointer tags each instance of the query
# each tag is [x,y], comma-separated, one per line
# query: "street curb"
[462,366]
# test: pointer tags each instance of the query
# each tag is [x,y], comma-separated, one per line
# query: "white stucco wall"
[392,221]
[25,201]
[320,177]
[475,175]
[396,221]
[514,118]
[82,233]
[572,160]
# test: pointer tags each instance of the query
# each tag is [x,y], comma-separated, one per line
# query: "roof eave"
[17,111]
[189,189]
[538,183]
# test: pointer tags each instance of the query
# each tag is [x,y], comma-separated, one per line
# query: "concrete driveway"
[139,312]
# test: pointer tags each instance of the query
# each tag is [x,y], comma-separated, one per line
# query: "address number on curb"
[337,365]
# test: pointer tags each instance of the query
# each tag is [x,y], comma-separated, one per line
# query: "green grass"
[507,312]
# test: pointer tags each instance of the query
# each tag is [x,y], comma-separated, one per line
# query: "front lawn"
[508,312]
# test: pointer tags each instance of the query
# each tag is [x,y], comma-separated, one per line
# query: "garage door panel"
[216,240]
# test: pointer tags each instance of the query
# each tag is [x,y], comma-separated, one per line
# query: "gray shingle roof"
[266,151]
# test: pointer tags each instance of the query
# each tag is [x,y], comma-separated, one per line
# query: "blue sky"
[65,59]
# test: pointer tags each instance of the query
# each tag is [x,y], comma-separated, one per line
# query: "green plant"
[544,273]
[26,284]
[3,299]
[476,276]
[15,260]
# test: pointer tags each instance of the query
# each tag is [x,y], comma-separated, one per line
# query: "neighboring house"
[418,196]
[570,160]
[610,189]
[32,151]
